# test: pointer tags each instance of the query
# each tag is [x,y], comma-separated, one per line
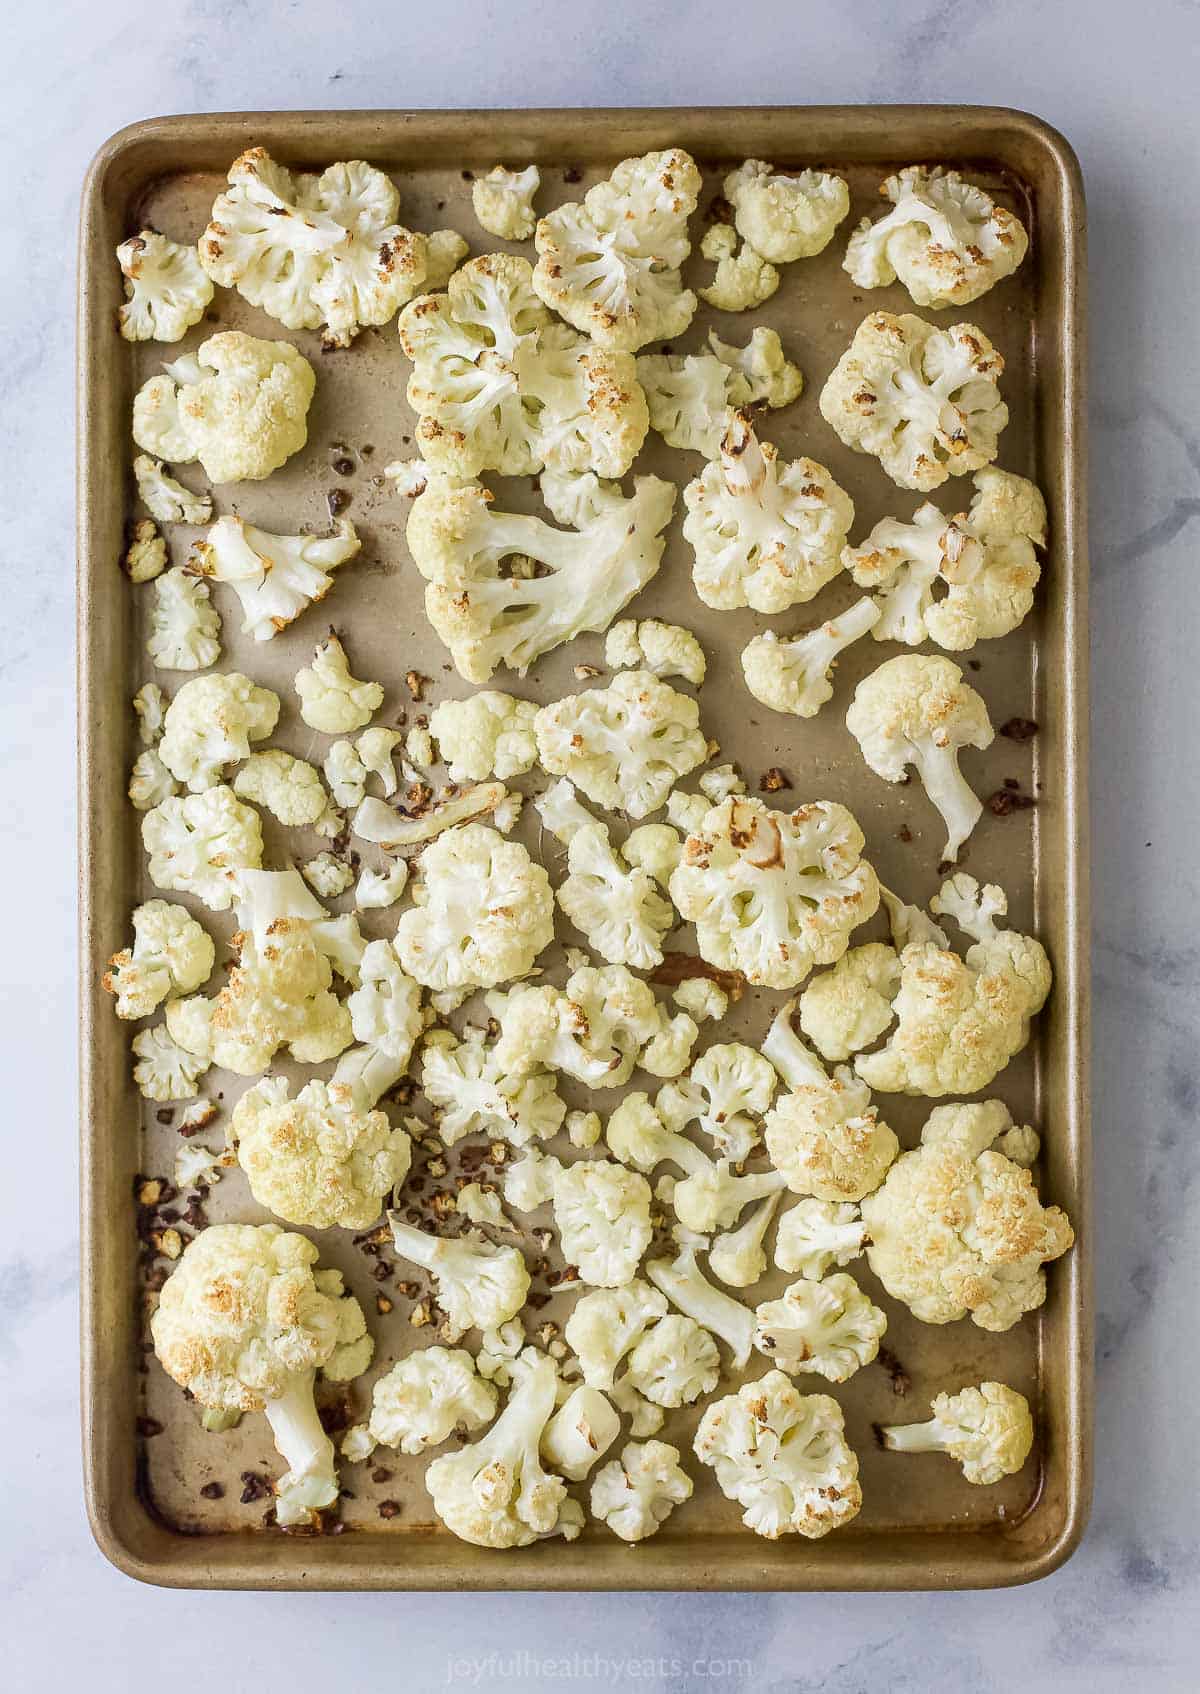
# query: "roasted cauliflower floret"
[197,843]
[738,1256]
[496,1493]
[146,556]
[959,1021]
[331,700]
[244,1323]
[606,1323]
[663,649]
[674,1363]
[427,1396]
[743,277]
[824,1134]
[503,201]
[636,1494]
[774,893]
[319,1160]
[625,745]
[210,723]
[783,1456]
[487,734]
[594,1031]
[786,217]
[500,385]
[796,675]
[959,1229]
[478,1286]
[166,500]
[984,562]
[487,613]
[692,396]
[616,906]
[473,1095]
[988,1429]
[166,290]
[291,789]
[610,263]
[685,1285]
[845,1009]
[728,1091]
[316,252]
[945,238]
[165,1070]
[238,404]
[817,1236]
[602,1212]
[923,401]
[185,627]
[171,954]
[828,1327]
[274,576]
[482,912]
[919,711]
[764,534]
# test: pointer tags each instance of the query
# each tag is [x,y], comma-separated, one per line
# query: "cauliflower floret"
[958,1229]
[764,534]
[988,1429]
[487,734]
[503,201]
[171,954]
[771,893]
[625,745]
[783,1456]
[663,649]
[945,238]
[529,1181]
[919,711]
[445,250]
[702,999]
[274,576]
[593,1031]
[682,1281]
[959,1021]
[316,252]
[483,911]
[729,1090]
[185,628]
[580,1433]
[473,1095]
[828,1327]
[610,264]
[197,843]
[616,907]
[239,405]
[824,1134]
[656,848]
[602,1212]
[146,556]
[150,782]
[149,705]
[692,396]
[496,1493]
[166,290]
[376,751]
[674,1363]
[327,875]
[427,1396]
[796,675]
[345,773]
[984,560]
[377,890]
[712,1197]
[738,1256]
[244,1323]
[165,1071]
[165,499]
[488,616]
[331,700]
[786,217]
[924,401]
[500,385]
[318,1160]
[210,723]
[478,1286]
[816,1236]
[606,1323]
[288,787]
[639,1136]
[385,1015]
[743,279]
[845,1009]
[636,1495]
[670,1052]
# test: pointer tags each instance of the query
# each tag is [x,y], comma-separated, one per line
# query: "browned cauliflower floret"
[959,1229]
[945,238]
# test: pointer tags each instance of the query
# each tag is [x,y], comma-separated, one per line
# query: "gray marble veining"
[1126,1611]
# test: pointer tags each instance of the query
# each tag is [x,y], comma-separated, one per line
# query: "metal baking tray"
[921,1526]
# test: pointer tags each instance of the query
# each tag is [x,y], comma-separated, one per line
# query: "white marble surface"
[1120,83]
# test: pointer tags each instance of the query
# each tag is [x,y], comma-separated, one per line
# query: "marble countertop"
[1126,1609]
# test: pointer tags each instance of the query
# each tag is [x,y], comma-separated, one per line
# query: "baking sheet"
[921,1522]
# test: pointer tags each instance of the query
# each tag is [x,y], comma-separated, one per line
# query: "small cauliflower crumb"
[327,875]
